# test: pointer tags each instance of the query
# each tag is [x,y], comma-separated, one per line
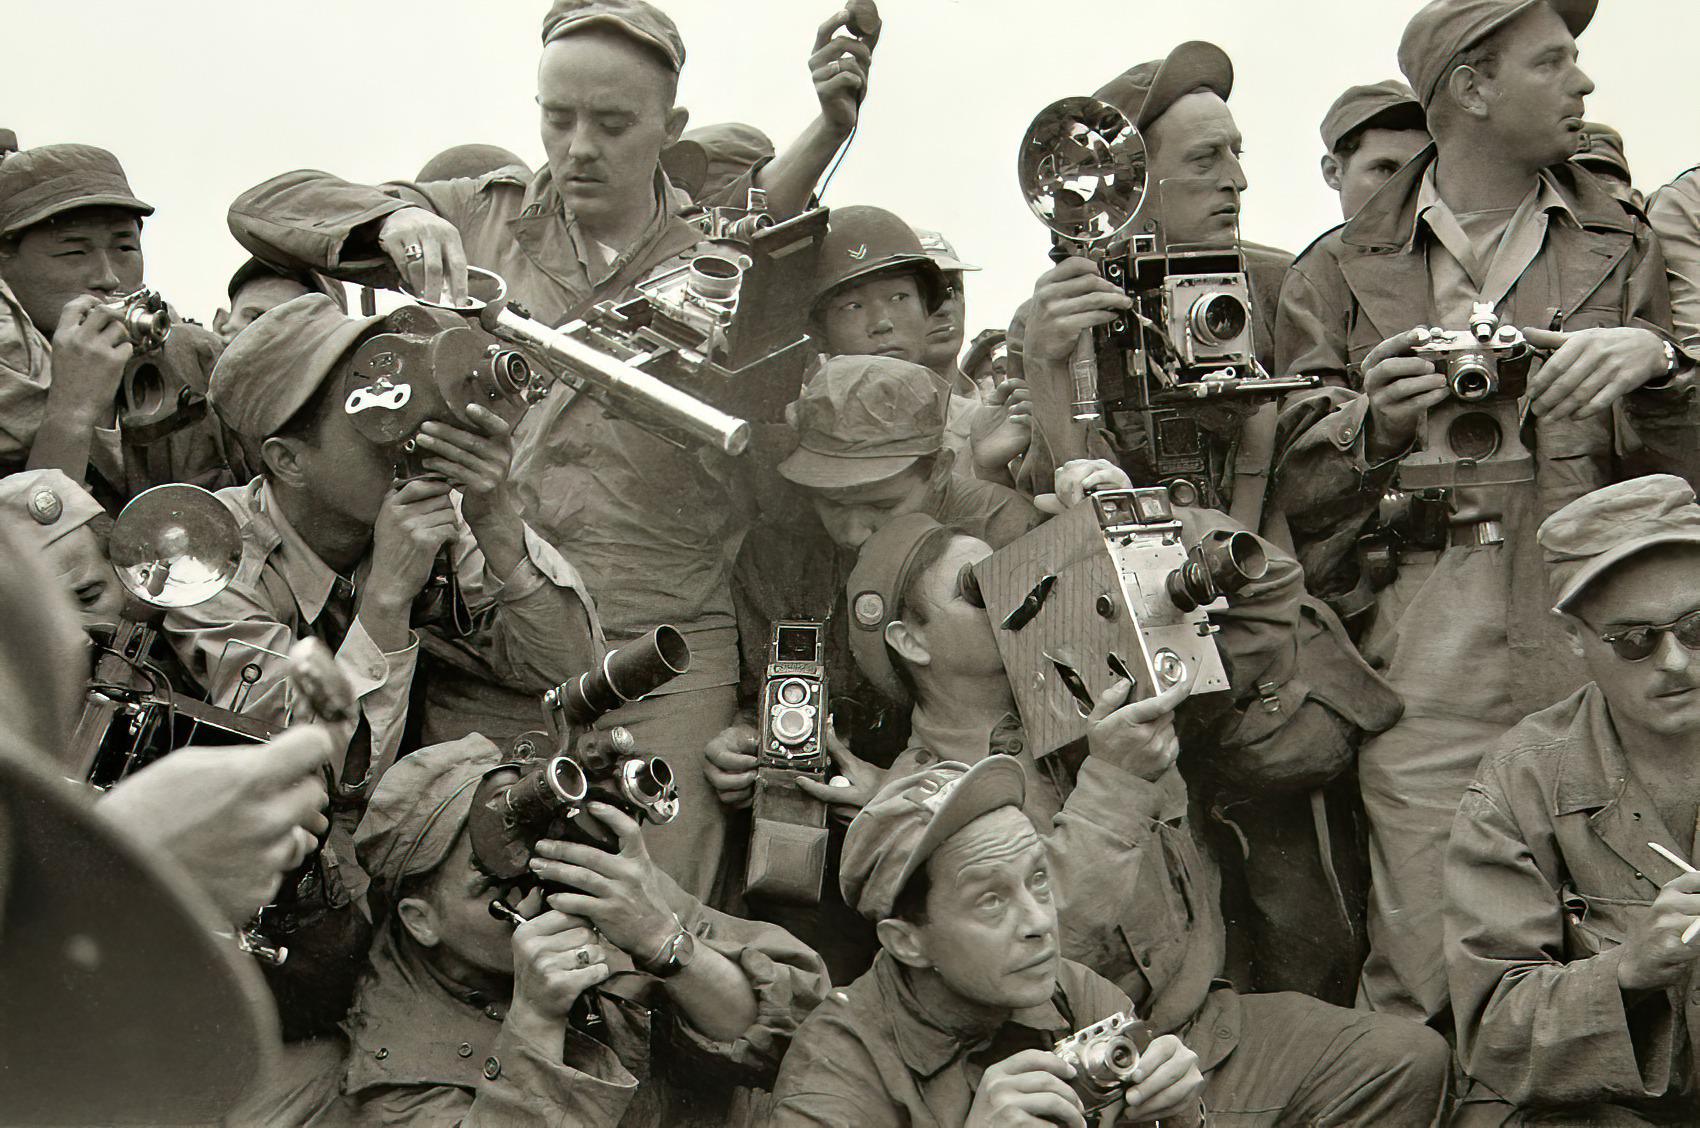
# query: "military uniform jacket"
[1547,871]
[652,527]
[871,1057]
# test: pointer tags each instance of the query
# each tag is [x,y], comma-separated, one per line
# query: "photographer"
[332,547]
[70,242]
[462,1018]
[1566,926]
[649,523]
[1368,134]
[954,1024]
[1495,213]
[64,526]
[1136,895]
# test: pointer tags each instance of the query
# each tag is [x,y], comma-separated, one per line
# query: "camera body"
[1473,438]
[1104,1056]
[788,835]
[156,395]
[1106,591]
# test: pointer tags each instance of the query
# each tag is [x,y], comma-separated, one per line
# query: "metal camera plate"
[1082,168]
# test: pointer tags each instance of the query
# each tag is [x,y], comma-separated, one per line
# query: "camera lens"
[566,780]
[512,373]
[1218,318]
[714,277]
[793,692]
[1472,379]
[1473,436]
[792,726]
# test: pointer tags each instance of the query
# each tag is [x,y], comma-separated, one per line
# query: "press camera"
[1104,1056]
[1473,438]
[788,833]
[1106,591]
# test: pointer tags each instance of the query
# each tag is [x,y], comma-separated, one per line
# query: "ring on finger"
[413,252]
[582,957]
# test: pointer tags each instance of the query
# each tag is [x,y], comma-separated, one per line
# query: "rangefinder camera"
[145,318]
[1104,1056]
[788,830]
[1107,591]
[161,390]
[1474,437]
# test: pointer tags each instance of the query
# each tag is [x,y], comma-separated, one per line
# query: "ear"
[219,319]
[909,642]
[677,118]
[1464,85]
[283,459]
[1573,634]
[420,920]
[903,940]
[1331,171]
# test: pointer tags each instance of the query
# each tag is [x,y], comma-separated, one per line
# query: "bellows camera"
[788,832]
[1110,590]
[1104,1056]
[1473,438]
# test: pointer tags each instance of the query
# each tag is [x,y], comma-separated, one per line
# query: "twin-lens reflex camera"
[788,835]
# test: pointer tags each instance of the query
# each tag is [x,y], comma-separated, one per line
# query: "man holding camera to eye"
[71,244]
[654,527]
[1492,218]
[463,1018]
[957,1023]
[1570,903]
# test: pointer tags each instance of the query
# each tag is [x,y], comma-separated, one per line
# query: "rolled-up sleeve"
[1533,1028]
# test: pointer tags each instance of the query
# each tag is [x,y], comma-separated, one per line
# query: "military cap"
[883,569]
[46,505]
[863,419]
[1145,92]
[468,162]
[1601,146]
[911,817]
[1389,105]
[1600,530]
[984,345]
[1445,29]
[643,22]
[707,159]
[418,808]
[40,183]
[275,365]
[862,241]
[8,141]
[941,252]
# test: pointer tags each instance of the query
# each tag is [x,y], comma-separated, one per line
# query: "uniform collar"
[928,1042]
[543,205]
[968,742]
[1547,197]
[310,579]
[1593,770]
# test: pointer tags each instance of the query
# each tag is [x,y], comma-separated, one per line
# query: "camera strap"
[1252,465]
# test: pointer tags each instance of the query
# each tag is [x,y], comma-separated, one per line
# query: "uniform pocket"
[1596,924]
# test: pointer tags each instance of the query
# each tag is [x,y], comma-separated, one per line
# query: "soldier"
[256,288]
[62,522]
[1367,135]
[954,1024]
[1569,902]
[1135,894]
[1500,216]
[653,527]
[462,1017]
[1600,151]
[70,243]
[1674,212]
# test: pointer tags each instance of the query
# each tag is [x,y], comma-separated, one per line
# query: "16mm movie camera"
[1186,346]
[788,831]
[1108,591]
[1473,438]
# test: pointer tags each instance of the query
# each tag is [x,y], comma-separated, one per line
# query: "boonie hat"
[1600,530]
[863,419]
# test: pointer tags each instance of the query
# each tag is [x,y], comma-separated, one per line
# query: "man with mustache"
[1568,905]
[1494,212]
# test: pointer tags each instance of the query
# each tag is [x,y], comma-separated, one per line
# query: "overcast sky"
[201,99]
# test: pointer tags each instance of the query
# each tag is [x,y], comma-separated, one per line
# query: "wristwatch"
[1673,362]
[675,955]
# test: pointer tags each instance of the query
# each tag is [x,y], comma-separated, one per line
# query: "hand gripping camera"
[543,792]
[1473,438]
[1182,361]
[1104,1056]
[788,834]
[1108,591]
[156,396]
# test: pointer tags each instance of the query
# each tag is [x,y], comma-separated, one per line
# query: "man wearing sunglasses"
[1569,941]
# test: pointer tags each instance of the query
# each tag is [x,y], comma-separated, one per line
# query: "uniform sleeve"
[788,978]
[534,629]
[992,512]
[1531,1027]
[1662,424]
[1674,212]
[220,639]
[590,1090]
[830,1080]
[24,377]
[311,219]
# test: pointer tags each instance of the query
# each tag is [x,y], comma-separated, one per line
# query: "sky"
[201,99]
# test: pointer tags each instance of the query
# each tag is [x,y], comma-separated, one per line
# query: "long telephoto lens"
[625,675]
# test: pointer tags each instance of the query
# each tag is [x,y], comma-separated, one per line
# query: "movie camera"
[1474,437]
[1187,342]
[788,828]
[1106,591]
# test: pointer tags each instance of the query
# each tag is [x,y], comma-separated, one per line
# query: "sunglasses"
[1638,643]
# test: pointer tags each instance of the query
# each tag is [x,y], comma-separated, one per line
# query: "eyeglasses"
[1638,643]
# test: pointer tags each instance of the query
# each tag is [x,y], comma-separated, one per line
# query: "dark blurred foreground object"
[123,1003]
[463,162]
